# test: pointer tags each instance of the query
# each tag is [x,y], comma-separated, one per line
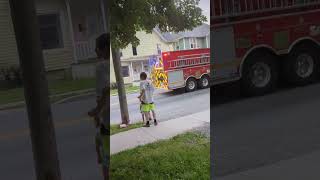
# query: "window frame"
[127,69]
[193,42]
[134,51]
[57,25]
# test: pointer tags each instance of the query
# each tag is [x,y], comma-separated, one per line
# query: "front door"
[137,69]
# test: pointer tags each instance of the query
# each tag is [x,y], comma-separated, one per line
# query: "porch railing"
[85,49]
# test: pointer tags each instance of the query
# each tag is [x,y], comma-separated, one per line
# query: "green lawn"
[185,156]
[65,86]
[114,129]
[129,89]
[55,87]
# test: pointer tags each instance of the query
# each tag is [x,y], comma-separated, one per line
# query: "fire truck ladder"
[185,61]
[238,7]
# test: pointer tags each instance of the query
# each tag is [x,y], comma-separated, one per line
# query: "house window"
[134,51]
[193,43]
[146,67]
[50,31]
[176,46]
[125,71]
[81,28]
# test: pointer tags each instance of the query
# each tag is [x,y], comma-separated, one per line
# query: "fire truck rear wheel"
[204,82]
[191,85]
[301,66]
[260,74]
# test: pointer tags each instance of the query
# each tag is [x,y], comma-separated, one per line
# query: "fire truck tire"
[259,75]
[191,85]
[204,82]
[301,66]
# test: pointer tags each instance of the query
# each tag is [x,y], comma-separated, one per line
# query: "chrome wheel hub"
[191,85]
[260,74]
[304,65]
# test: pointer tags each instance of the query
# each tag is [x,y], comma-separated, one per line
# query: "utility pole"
[117,70]
[27,33]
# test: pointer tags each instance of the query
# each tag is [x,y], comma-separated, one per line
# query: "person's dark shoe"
[147,124]
[155,122]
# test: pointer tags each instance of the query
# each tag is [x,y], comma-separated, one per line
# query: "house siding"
[8,48]
[55,59]
[148,45]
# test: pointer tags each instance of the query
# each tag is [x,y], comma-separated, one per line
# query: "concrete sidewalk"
[165,130]
[304,167]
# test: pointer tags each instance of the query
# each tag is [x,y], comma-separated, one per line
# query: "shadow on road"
[226,93]
[231,92]
[178,92]
[259,131]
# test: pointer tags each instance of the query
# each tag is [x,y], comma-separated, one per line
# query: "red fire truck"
[189,69]
[262,41]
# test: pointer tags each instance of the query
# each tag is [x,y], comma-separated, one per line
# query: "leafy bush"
[11,77]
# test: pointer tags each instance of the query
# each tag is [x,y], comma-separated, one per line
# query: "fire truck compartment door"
[223,53]
[175,79]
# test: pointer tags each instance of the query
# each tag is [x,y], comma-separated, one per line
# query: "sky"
[205,6]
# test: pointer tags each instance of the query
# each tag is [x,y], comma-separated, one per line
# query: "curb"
[72,98]
[12,105]
[73,94]
[131,92]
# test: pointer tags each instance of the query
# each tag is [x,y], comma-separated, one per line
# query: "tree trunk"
[117,70]
[120,86]
[36,89]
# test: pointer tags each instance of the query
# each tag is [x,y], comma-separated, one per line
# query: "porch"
[87,22]
[131,68]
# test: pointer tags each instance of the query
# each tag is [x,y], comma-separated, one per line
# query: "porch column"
[142,67]
[184,44]
[207,42]
[103,15]
[131,71]
[71,31]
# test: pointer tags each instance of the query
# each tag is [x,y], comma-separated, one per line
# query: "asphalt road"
[169,105]
[253,132]
[75,133]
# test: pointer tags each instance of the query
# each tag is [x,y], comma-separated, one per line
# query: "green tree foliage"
[129,16]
